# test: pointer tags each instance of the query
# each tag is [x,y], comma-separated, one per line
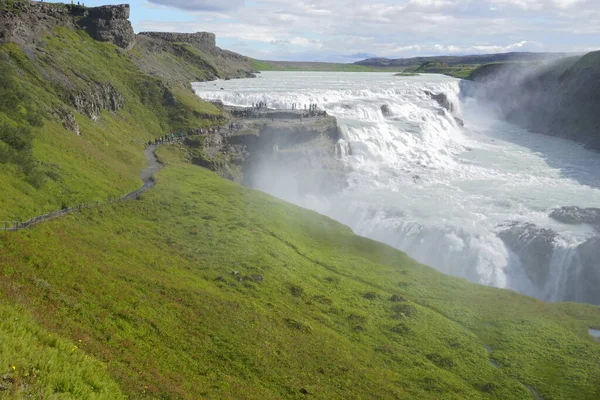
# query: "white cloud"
[393,27]
[457,49]
[201,5]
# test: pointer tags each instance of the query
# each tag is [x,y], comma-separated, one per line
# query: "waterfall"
[445,194]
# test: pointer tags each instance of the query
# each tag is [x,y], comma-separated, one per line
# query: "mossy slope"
[149,285]
[37,364]
[69,73]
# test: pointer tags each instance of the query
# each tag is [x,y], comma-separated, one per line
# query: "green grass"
[37,364]
[456,71]
[316,66]
[148,285]
[53,167]
[406,74]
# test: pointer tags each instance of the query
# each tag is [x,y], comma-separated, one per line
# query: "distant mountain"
[462,60]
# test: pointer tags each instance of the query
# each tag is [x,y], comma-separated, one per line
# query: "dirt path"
[153,166]
[147,176]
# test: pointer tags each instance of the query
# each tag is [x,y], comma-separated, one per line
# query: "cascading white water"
[419,181]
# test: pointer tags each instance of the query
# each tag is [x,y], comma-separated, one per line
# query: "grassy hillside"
[462,71]
[149,287]
[36,363]
[43,165]
[457,71]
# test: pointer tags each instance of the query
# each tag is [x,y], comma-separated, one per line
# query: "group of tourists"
[259,105]
[234,126]
[243,113]
[310,111]
[204,131]
[173,137]
[311,107]
[166,138]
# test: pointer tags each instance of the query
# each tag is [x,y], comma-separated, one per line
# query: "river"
[450,196]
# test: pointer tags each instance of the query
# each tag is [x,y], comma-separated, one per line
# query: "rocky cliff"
[561,98]
[198,49]
[269,145]
[171,60]
[109,24]
[78,79]
[159,54]
[25,23]
[201,39]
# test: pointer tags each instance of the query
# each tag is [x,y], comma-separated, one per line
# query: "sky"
[349,30]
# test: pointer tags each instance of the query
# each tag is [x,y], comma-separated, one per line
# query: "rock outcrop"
[442,100]
[69,121]
[583,279]
[386,111]
[27,22]
[534,246]
[96,98]
[109,24]
[558,99]
[577,215]
[197,49]
[200,39]
[271,146]
[580,266]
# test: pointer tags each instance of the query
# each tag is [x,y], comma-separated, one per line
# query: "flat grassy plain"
[456,71]
[205,289]
[317,66]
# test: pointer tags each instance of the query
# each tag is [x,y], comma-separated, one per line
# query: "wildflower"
[14,368]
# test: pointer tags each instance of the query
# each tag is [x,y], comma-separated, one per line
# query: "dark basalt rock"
[385,110]
[442,100]
[97,97]
[584,274]
[198,39]
[109,24]
[557,99]
[28,22]
[576,215]
[534,247]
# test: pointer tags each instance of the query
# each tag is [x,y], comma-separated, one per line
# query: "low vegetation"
[316,66]
[205,289]
[44,166]
[39,364]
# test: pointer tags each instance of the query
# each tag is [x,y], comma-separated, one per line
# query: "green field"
[45,167]
[148,287]
[316,66]
[457,71]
